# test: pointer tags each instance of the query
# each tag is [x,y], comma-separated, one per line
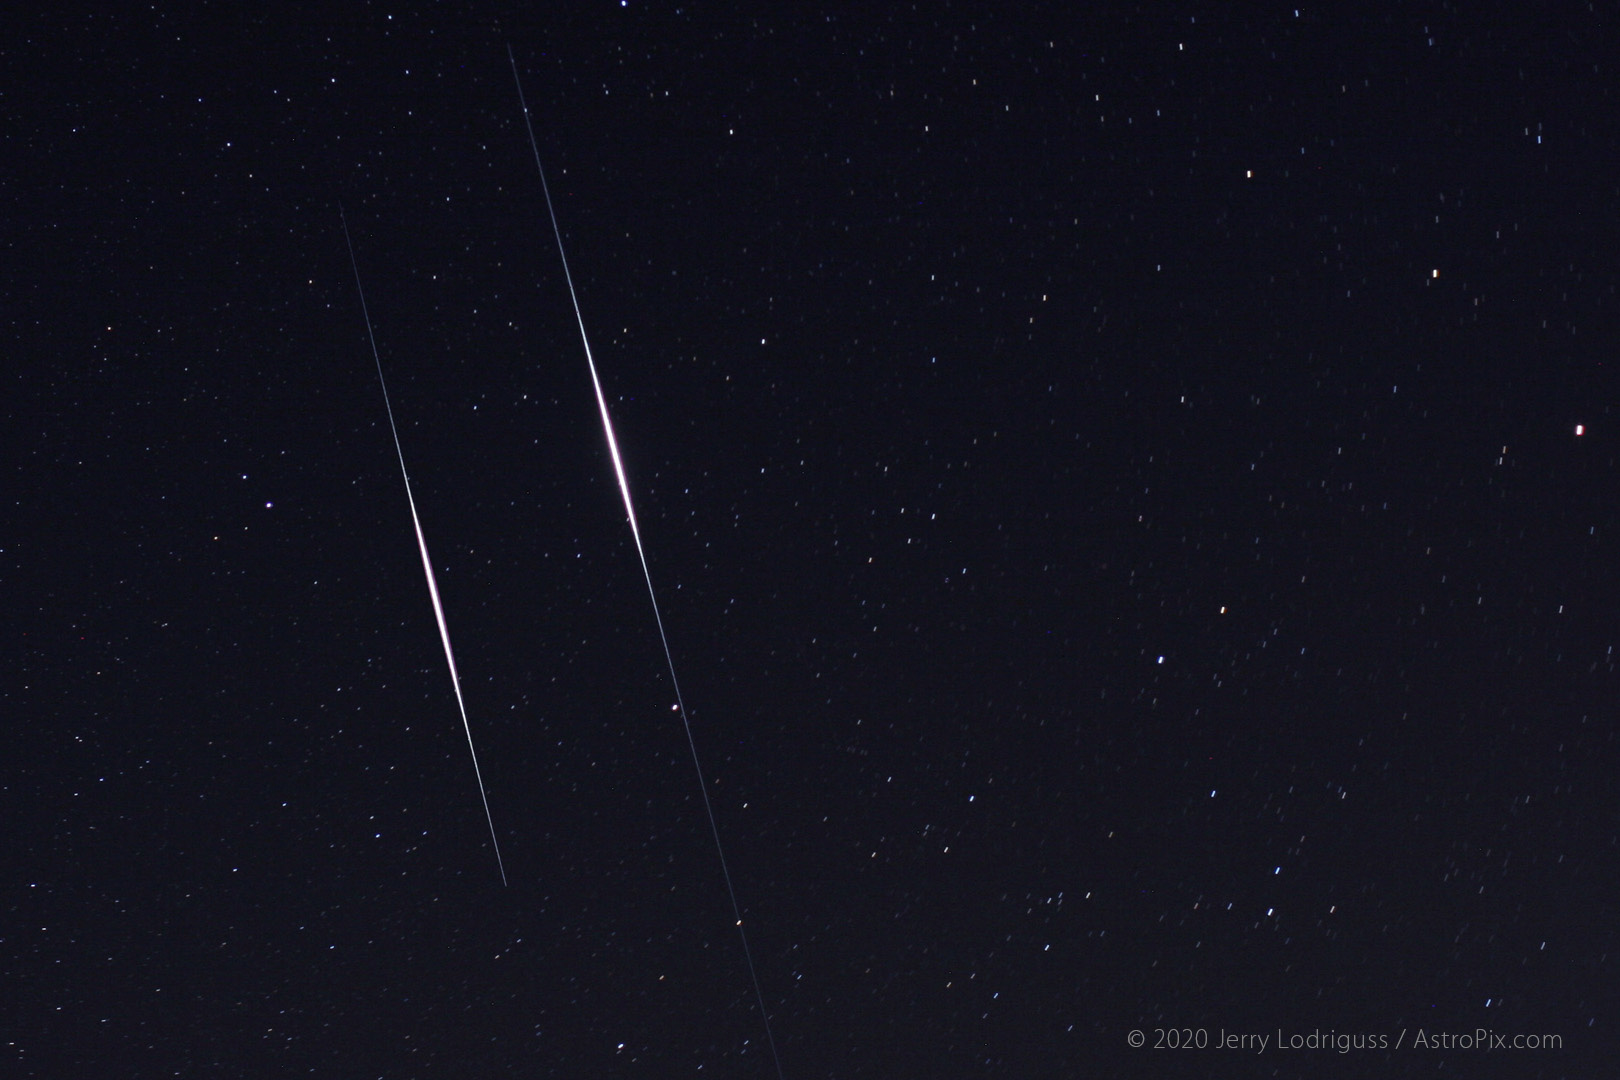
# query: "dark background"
[1111,479]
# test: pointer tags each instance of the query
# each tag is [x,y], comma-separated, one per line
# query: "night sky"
[1131,496]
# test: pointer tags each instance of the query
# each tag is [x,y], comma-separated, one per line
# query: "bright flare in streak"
[421,544]
[630,512]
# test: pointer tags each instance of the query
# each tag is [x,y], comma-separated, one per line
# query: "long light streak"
[630,512]
[421,545]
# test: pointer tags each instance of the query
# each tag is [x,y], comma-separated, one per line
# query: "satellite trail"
[630,512]
[421,544]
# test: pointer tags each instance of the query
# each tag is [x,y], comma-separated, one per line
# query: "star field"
[1128,492]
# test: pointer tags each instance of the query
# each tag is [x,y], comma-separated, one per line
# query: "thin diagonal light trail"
[421,544]
[630,512]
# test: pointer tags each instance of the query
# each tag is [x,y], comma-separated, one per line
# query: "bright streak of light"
[421,544]
[629,510]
